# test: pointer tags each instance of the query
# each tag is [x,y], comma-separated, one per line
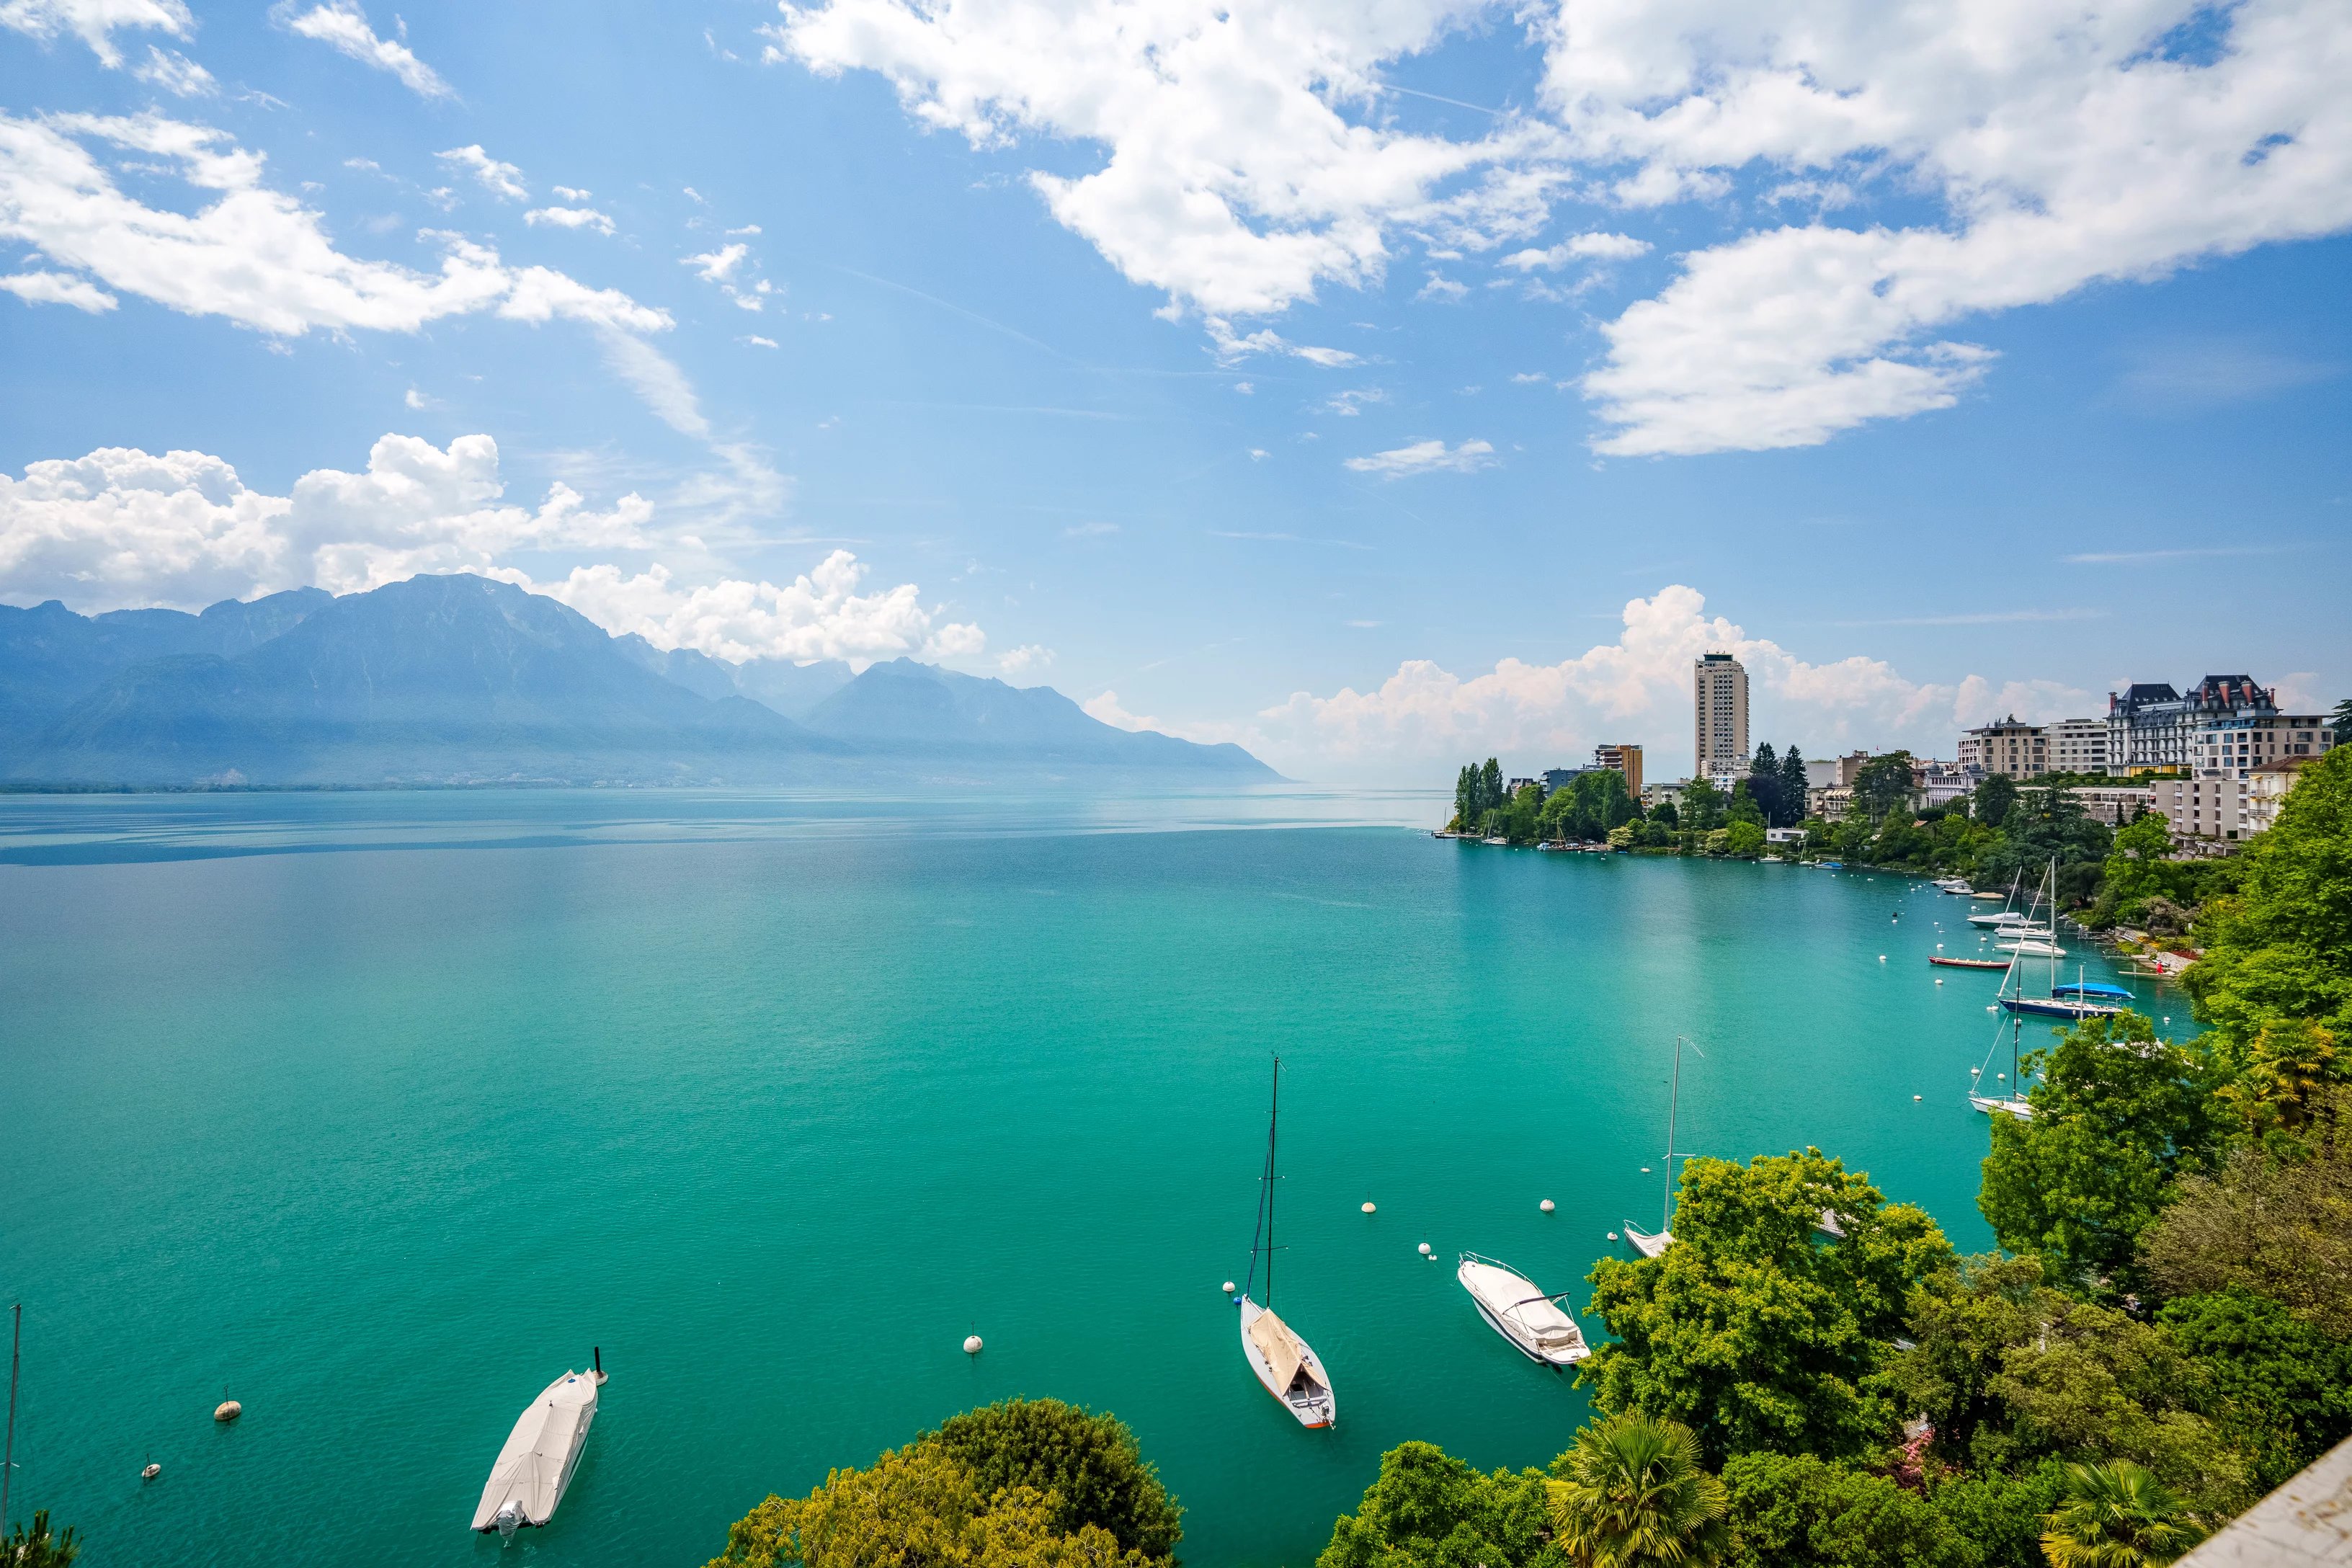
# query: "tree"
[1703,807]
[35,1547]
[1745,807]
[1666,816]
[1792,1511]
[1429,1508]
[1744,838]
[1999,1513]
[1490,785]
[2117,1516]
[1794,788]
[2117,1116]
[1764,784]
[1746,1330]
[1993,799]
[2140,865]
[1090,1464]
[1632,1491]
[2274,1220]
[1883,784]
[2282,948]
[2275,1386]
[2343,724]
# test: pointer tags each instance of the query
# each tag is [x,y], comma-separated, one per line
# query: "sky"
[1378,384]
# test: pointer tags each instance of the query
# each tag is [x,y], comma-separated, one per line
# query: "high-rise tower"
[1719,700]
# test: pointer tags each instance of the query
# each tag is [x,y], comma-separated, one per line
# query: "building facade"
[2212,810]
[1624,758]
[2233,743]
[2151,726]
[2012,749]
[1719,729]
[2146,728]
[2078,746]
[2115,804]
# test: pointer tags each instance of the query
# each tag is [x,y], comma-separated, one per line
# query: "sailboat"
[2013,1101]
[1647,1245]
[2005,915]
[1285,1362]
[2029,940]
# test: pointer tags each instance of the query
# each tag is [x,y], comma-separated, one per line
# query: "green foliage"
[1793,788]
[2275,1385]
[1883,784]
[1745,838]
[1994,797]
[1703,807]
[1797,1512]
[1428,1509]
[2116,1116]
[2280,950]
[1667,817]
[35,1547]
[1090,1464]
[1745,807]
[2275,1220]
[968,1496]
[1590,808]
[1749,1330]
[2117,1516]
[2001,1514]
[1478,791]
[1632,1492]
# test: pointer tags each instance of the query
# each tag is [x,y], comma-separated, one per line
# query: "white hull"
[532,1470]
[1308,1394]
[1538,1327]
[2012,1105]
[1649,1245]
[2032,949]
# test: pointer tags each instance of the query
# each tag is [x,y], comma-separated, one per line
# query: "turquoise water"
[378,1111]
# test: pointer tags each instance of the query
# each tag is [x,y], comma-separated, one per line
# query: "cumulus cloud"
[1022,660]
[1426,457]
[1594,246]
[569,217]
[2065,145]
[57,289]
[122,528]
[1638,685]
[504,178]
[1230,178]
[343,26]
[94,21]
[821,614]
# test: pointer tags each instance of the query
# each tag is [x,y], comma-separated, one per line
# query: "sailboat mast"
[1273,1122]
[1666,1209]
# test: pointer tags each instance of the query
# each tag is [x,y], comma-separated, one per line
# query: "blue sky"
[1379,385]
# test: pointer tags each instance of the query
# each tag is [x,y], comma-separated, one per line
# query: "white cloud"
[1348,405]
[1230,178]
[175,73]
[1023,660]
[569,217]
[1637,685]
[747,228]
[57,289]
[1597,247]
[2064,145]
[1426,457]
[821,614]
[1232,345]
[1441,287]
[94,21]
[121,528]
[1105,709]
[504,178]
[415,399]
[717,266]
[570,192]
[757,341]
[343,26]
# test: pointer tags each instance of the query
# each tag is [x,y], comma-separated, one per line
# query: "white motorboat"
[1955,885]
[1287,1366]
[542,1451]
[1285,1363]
[1540,1326]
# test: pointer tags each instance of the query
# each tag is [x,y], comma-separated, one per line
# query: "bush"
[1796,1512]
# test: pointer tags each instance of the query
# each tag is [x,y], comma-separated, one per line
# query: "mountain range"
[461,679]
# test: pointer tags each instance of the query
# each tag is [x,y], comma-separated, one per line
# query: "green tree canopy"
[2117,1516]
[1429,1509]
[1751,1330]
[34,1546]
[1993,799]
[2275,1385]
[1633,1493]
[2116,1116]
[1703,807]
[1883,784]
[1090,1464]
[1793,1511]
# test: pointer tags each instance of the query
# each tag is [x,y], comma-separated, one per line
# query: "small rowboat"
[1971,963]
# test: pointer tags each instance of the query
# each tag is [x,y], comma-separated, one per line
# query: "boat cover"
[1514,1297]
[536,1464]
[1280,1347]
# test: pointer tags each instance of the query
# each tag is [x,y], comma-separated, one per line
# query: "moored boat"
[533,1471]
[1539,1327]
[1284,1361]
[1969,963]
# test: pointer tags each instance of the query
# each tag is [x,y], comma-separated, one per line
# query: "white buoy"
[1613,1236]
[1939,980]
[972,1344]
[1645,1169]
[1882,958]
[1229,1287]
[1919,1097]
[1546,1206]
[1424,1250]
[1994,1008]
[151,1471]
[227,1410]
[1370,1207]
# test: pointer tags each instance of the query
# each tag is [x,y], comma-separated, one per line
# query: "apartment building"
[2115,804]
[2266,790]
[2011,748]
[2236,741]
[2078,746]
[1719,716]
[1624,758]
[2211,809]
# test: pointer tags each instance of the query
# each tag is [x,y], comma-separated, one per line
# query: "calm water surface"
[378,1111]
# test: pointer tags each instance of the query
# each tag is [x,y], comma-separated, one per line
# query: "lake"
[377,1111]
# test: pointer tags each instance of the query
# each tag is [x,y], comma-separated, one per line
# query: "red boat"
[1971,963]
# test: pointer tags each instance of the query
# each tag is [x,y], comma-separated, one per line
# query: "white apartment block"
[2267,789]
[2232,743]
[2078,746]
[1719,714]
[2214,809]
[2113,805]
[2010,748]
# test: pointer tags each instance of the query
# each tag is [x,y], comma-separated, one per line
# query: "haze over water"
[378,1111]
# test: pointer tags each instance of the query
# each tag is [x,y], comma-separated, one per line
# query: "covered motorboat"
[1288,1365]
[1539,1325]
[535,1466]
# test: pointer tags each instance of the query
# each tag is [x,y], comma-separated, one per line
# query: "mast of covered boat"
[1273,1122]
[1673,1101]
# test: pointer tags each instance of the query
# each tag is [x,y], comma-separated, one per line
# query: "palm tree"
[2117,1516]
[1636,1494]
[36,1548]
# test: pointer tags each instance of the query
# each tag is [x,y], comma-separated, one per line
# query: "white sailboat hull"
[1306,1394]
[1649,1245]
[529,1478]
[2011,1104]
[1538,1328]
